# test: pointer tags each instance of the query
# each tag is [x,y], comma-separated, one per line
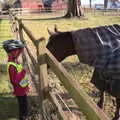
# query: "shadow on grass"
[77,66]
[8,107]
[41,19]
[3,68]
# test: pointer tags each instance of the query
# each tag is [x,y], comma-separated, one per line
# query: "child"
[17,75]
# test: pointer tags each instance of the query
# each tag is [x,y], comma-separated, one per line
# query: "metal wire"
[64,103]
[57,94]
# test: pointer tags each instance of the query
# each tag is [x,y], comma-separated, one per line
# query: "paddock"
[71,64]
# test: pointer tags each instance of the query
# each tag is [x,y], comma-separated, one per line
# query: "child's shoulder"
[12,65]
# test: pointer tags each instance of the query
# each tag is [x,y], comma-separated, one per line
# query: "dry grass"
[80,72]
[38,26]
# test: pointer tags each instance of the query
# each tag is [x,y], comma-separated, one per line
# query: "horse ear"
[55,28]
[50,32]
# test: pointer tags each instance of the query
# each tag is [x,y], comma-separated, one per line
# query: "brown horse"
[98,47]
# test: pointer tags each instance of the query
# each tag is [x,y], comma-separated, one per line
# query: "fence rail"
[58,12]
[44,58]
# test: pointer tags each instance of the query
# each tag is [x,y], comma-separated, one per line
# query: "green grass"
[5,33]
[8,103]
[39,27]
[81,73]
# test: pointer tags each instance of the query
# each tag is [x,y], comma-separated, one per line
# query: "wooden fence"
[60,11]
[44,58]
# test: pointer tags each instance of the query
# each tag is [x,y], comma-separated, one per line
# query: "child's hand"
[25,67]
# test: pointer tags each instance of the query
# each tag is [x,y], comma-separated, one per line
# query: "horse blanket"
[100,47]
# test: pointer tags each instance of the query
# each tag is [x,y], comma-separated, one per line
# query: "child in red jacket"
[17,75]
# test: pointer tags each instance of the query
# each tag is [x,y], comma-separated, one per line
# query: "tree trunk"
[90,1]
[74,9]
[105,4]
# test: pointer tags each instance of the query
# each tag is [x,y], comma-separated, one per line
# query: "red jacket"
[15,78]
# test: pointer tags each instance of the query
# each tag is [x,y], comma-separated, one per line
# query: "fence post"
[41,67]
[84,102]
[42,74]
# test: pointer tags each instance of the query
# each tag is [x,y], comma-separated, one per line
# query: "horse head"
[60,44]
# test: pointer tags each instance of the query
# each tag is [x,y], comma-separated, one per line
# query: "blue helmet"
[11,45]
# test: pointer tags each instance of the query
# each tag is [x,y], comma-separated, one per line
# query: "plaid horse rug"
[100,47]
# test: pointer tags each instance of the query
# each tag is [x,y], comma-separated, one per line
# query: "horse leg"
[102,99]
[117,114]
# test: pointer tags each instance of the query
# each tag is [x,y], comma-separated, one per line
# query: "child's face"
[16,53]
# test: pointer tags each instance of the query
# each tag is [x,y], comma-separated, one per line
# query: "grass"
[8,102]
[5,33]
[81,73]
[39,29]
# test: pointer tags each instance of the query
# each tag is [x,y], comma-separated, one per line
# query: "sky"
[1,0]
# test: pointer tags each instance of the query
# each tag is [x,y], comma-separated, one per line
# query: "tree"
[105,3]
[74,8]
[90,2]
